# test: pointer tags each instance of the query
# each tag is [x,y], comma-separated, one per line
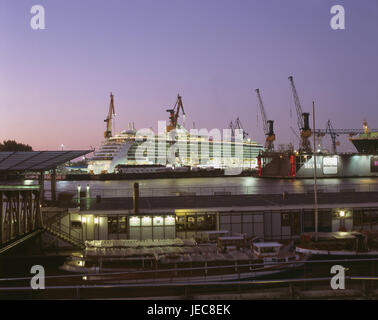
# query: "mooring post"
[53,184]
[41,181]
[136,197]
[1,218]
[291,290]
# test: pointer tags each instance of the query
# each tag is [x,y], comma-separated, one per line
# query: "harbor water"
[213,185]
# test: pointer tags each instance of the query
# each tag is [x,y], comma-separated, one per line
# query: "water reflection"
[208,186]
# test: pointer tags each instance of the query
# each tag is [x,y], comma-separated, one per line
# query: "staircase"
[56,228]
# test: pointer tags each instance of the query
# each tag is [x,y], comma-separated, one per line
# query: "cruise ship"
[175,147]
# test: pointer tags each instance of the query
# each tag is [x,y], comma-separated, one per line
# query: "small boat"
[162,261]
[339,245]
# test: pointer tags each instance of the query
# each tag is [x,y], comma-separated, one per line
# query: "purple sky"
[55,83]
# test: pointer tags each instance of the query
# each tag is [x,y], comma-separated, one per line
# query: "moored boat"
[339,245]
[230,258]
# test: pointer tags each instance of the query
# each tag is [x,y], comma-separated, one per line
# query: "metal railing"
[358,286]
[301,286]
[54,224]
[253,267]
[71,235]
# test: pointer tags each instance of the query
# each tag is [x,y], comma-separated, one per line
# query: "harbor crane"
[231,127]
[109,119]
[295,134]
[334,133]
[302,121]
[267,125]
[237,125]
[174,114]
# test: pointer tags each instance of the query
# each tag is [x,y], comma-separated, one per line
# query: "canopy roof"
[37,160]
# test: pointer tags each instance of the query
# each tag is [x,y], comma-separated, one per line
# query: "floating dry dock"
[296,165]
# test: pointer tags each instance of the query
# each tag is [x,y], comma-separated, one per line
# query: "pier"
[21,216]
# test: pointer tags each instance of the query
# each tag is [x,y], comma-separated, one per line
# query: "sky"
[55,83]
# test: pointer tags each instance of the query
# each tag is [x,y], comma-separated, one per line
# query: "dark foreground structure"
[271,217]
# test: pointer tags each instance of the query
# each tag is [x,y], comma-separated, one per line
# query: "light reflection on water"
[243,185]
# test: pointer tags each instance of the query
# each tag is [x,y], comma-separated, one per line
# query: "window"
[76,224]
[181,223]
[373,216]
[196,222]
[206,222]
[358,218]
[112,224]
[117,224]
[325,220]
[122,224]
[285,219]
[191,223]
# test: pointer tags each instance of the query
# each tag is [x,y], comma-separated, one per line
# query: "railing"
[49,219]
[226,190]
[357,286]
[54,223]
[303,285]
[305,266]
[72,235]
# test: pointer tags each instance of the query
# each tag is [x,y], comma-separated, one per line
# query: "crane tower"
[267,125]
[109,119]
[302,121]
[174,114]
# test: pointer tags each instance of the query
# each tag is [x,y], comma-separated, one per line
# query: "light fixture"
[169,220]
[342,214]
[96,220]
[84,219]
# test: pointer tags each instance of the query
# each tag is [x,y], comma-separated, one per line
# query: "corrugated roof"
[37,160]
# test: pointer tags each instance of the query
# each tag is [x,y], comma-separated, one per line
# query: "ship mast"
[109,120]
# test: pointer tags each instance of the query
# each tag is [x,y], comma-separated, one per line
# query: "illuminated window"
[76,224]
[146,221]
[135,221]
[158,221]
[170,220]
